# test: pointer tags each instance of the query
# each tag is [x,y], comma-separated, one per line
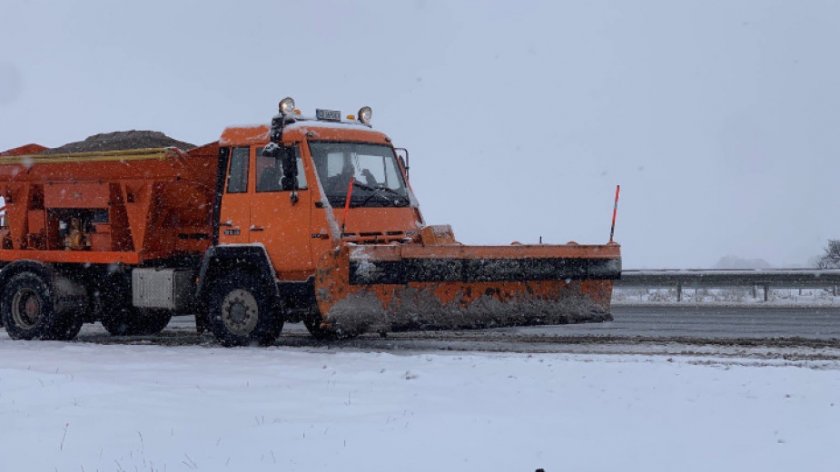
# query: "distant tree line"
[831,258]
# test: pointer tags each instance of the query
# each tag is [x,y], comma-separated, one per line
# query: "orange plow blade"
[402,287]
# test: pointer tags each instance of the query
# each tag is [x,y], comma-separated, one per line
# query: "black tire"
[130,321]
[244,311]
[28,312]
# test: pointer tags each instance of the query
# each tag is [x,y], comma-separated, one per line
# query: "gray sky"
[718,118]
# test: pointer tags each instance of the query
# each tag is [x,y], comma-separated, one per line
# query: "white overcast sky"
[718,118]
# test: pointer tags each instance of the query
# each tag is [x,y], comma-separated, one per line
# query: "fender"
[219,260]
[45,271]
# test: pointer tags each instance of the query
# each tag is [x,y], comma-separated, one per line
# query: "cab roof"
[310,129]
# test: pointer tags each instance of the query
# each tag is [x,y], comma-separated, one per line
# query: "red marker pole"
[615,211]
[347,203]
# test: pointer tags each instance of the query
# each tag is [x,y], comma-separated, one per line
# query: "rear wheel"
[28,312]
[244,311]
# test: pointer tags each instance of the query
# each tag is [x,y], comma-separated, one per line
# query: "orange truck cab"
[308,219]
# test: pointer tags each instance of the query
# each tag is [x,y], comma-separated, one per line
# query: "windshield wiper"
[377,190]
[363,186]
[402,199]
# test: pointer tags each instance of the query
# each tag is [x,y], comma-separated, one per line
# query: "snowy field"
[87,407]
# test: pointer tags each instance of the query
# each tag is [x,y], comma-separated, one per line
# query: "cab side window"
[238,175]
[270,172]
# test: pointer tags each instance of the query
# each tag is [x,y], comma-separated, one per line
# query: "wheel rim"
[27,308]
[240,312]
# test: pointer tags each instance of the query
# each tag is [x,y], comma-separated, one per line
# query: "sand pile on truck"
[121,140]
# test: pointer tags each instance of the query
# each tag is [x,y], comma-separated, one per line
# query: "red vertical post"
[347,203]
[615,211]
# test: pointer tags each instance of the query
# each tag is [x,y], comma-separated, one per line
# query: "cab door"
[280,219]
[235,211]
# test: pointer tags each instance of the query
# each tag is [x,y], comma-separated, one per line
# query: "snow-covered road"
[74,407]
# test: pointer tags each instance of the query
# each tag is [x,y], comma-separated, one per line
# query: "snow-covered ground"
[87,407]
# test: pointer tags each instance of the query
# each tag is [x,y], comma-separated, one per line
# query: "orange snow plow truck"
[308,219]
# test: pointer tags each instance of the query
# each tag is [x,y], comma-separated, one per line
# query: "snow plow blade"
[362,288]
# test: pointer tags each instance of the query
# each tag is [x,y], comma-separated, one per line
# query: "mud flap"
[392,288]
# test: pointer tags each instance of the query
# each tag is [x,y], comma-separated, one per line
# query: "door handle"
[256,228]
[226,223]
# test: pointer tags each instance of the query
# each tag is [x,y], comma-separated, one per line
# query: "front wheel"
[244,311]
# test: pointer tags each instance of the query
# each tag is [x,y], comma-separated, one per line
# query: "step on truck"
[308,219]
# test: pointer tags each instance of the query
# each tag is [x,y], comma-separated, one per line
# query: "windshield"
[377,179]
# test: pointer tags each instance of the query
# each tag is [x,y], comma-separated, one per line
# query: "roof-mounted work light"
[287,106]
[365,114]
[287,115]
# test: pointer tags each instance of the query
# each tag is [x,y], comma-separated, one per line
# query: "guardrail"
[720,278]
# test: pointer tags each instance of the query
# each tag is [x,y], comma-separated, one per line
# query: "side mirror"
[402,156]
[290,169]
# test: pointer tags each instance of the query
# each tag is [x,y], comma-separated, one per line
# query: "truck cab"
[347,184]
[289,194]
